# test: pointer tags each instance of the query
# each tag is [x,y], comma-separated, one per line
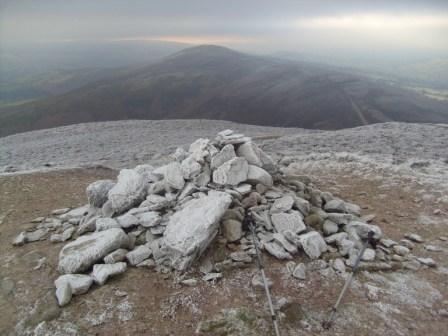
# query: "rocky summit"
[164,218]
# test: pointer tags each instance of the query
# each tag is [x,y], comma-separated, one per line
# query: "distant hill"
[212,82]
[40,70]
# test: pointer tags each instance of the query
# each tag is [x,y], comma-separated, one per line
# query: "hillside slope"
[211,82]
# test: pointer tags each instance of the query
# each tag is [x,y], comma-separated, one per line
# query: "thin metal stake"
[327,324]
[263,275]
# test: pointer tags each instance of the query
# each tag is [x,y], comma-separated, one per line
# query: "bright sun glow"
[374,22]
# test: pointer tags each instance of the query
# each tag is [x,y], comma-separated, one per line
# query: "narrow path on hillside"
[358,111]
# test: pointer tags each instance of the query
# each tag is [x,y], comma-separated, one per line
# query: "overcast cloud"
[251,24]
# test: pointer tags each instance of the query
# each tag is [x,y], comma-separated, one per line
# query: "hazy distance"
[351,29]
[51,47]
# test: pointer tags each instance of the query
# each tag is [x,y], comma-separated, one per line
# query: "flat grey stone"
[35,235]
[313,244]
[299,272]
[212,276]
[139,254]
[330,227]
[101,272]
[20,239]
[338,265]
[427,262]
[414,237]
[400,250]
[227,153]
[116,256]
[77,256]
[102,224]
[58,212]
[257,175]
[79,283]
[240,256]
[129,191]
[149,219]
[127,220]
[276,250]
[191,229]
[63,293]
[190,168]
[336,238]
[174,176]
[302,205]
[369,255]
[288,221]
[282,204]
[232,172]
[280,238]
[361,230]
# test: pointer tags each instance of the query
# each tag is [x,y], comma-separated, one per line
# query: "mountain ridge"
[213,82]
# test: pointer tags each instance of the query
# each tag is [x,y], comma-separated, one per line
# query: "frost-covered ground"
[116,144]
[397,171]
[419,150]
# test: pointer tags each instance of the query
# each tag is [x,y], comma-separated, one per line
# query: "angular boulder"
[190,168]
[191,229]
[149,219]
[101,272]
[282,204]
[288,222]
[227,153]
[232,172]
[139,254]
[127,220]
[79,255]
[128,192]
[257,175]
[361,230]
[79,283]
[313,244]
[102,224]
[174,176]
[255,156]
[276,250]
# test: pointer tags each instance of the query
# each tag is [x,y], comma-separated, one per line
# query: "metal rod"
[327,324]
[263,275]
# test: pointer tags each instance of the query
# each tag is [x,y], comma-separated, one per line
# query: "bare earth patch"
[143,302]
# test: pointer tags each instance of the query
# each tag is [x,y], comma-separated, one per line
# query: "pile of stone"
[166,217]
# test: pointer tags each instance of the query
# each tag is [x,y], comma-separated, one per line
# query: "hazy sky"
[316,25]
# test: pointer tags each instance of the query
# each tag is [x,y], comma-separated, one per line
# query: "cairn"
[164,218]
